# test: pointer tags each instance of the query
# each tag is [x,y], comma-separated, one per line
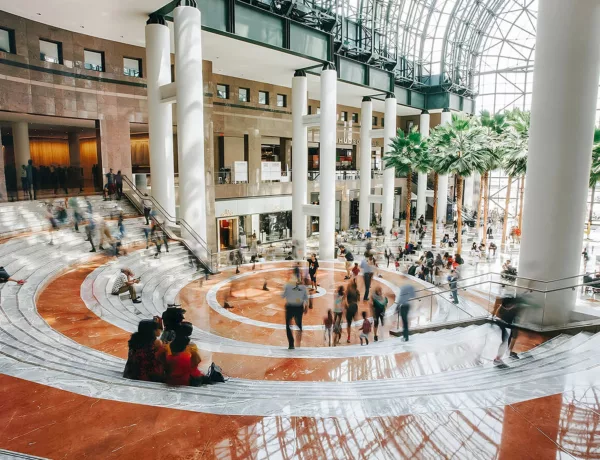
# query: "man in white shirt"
[147,202]
[125,282]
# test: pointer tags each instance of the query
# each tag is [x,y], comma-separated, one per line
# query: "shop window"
[132,67]
[263,98]
[382,122]
[309,110]
[7,41]
[355,118]
[374,123]
[244,95]
[344,116]
[222,91]
[51,51]
[93,60]
[281,100]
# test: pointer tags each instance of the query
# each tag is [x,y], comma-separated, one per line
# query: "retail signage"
[271,170]
[240,171]
[350,141]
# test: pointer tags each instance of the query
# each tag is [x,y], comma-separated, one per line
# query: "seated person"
[493,248]
[5,277]
[183,358]
[146,358]
[172,318]
[124,282]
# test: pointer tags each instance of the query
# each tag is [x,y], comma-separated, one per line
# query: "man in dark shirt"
[296,301]
[347,255]
[506,315]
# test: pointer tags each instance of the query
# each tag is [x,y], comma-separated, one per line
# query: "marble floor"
[63,341]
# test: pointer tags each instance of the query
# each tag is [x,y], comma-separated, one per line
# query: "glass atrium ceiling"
[484,47]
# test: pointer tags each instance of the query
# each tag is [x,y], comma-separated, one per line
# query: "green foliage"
[595,169]
[516,139]
[408,153]
[460,147]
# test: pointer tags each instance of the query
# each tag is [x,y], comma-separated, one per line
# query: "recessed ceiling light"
[82,27]
[39,14]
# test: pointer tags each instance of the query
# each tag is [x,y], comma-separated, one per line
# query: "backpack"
[412,270]
[215,375]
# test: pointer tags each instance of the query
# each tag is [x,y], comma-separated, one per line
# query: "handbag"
[215,375]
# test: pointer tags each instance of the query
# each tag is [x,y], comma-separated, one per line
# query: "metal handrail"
[175,221]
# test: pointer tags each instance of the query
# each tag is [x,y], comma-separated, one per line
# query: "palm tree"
[520,122]
[497,126]
[515,165]
[594,172]
[459,148]
[407,153]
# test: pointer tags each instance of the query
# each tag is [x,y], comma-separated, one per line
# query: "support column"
[160,116]
[299,160]
[364,206]
[21,143]
[74,155]
[558,165]
[190,116]
[389,174]
[468,191]
[327,135]
[442,203]
[422,182]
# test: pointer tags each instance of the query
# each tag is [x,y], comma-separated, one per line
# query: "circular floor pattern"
[211,298]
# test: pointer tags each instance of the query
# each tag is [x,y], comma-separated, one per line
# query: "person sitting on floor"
[124,282]
[183,358]
[172,318]
[146,358]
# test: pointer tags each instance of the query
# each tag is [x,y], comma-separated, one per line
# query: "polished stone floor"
[63,340]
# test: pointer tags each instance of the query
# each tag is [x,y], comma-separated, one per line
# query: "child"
[337,330]
[365,328]
[328,323]
[355,270]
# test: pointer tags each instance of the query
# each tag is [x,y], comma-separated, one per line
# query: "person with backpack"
[505,315]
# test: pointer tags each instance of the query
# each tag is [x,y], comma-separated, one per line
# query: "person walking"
[367,268]
[313,266]
[349,259]
[506,314]
[379,305]
[25,183]
[365,329]
[119,184]
[147,203]
[328,324]
[296,303]
[453,283]
[406,294]
[339,303]
[352,298]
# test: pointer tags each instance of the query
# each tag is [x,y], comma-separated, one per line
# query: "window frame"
[139,60]
[247,94]
[266,93]
[226,91]
[374,120]
[284,100]
[354,117]
[343,115]
[12,42]
[101,53]
[58,50]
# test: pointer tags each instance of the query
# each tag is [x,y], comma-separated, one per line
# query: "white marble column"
[190,118]
[364,205]
[422,181]
[299,159]
[389,174]
[565,89]
[20,131]
[160,116]
[442,203]
[327,136]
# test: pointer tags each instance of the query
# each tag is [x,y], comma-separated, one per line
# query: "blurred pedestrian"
[406,295]
[296,302]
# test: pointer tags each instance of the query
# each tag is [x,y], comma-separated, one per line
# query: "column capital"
[446,110]
[424,112]
[366,99]
[156,19]
[299,73]
[329,66]
[390,96]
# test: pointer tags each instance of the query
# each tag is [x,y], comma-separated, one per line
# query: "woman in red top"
[183,358]
[146,358]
